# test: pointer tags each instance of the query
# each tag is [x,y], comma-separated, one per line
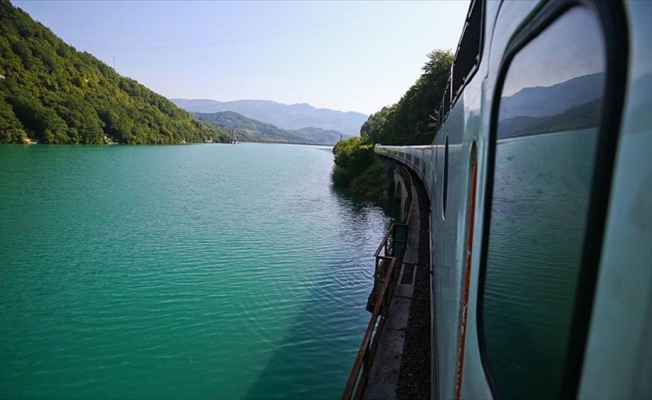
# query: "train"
[540,186]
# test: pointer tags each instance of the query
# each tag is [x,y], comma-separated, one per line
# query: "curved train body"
[540,185]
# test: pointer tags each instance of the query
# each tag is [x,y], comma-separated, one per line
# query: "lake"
[199,271]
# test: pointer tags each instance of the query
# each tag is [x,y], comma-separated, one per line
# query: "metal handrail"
[360,371]
[386,247]
[357,382]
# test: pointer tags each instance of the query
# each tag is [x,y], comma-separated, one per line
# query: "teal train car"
[540,186]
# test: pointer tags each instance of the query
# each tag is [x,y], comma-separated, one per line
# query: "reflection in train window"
[547,133]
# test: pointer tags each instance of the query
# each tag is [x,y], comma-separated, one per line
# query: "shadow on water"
[323,340]
[357,203]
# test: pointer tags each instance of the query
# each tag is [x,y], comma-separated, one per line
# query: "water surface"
[203,271]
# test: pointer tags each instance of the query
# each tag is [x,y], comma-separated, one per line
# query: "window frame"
[466,65]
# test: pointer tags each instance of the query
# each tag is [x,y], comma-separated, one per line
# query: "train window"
[467,56]
[545,152]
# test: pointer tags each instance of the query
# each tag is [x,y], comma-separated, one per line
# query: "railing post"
[376,270]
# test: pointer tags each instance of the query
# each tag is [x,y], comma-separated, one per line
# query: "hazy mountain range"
[571,105]
[291,117]
[251,130]
[540,101]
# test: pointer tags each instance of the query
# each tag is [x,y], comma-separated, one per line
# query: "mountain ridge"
[541,101]
[574,104]
[252,130]
[285,116]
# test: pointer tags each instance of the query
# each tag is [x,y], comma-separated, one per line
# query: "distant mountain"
[295,116]
[322,135]
[571,105]
[52,93]
[583,116]
[543,101]
[251,130]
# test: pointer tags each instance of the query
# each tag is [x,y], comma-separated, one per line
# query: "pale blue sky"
[349,56]
[543,62]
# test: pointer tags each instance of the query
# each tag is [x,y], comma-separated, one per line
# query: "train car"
[540,186]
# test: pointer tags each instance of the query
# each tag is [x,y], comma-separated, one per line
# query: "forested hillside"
[285,116]
[251,130]
[406,122]
[403,123]
[319,135]
[51,93]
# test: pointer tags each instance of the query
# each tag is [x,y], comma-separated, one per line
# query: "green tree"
[11,130]
[406,122]
[354,154]
[357,168]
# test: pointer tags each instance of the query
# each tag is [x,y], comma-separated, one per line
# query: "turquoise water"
[204,271]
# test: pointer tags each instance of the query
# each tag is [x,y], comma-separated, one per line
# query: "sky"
[342,55]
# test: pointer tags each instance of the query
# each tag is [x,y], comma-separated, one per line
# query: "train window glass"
[547,135]
[447,99]
[445,191]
